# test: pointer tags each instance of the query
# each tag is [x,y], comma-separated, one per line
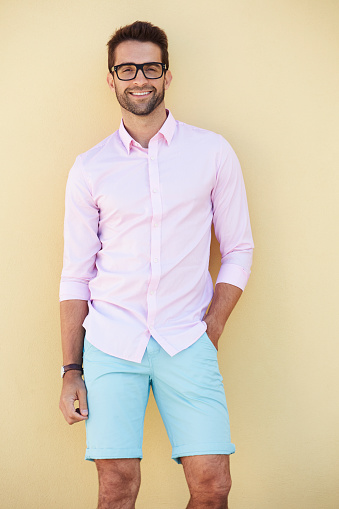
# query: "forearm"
[72,315]
[222,304]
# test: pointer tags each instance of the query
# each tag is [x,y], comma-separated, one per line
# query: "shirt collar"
[166,130]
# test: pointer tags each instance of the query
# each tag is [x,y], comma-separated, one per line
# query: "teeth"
[140,93]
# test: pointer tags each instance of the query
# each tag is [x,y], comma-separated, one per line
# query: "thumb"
[83,402]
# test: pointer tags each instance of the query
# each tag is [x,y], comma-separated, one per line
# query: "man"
[139,208]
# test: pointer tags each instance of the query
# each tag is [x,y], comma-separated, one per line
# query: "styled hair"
[142,31]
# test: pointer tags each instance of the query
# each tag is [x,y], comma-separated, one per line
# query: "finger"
[75,416]
[75,419]
[83,403]
[70,413]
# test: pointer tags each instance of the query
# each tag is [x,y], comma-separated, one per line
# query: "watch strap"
[70,367]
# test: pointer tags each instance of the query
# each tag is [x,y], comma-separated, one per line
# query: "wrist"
[72,375]
[71,367]
[215,322]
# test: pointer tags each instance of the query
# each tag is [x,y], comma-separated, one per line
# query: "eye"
[153,68]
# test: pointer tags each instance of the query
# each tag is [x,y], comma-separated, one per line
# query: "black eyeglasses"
[151,70]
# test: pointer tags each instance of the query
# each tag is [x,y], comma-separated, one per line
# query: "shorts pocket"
[209,342]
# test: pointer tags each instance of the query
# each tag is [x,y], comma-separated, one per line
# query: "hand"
[214,329]
[73,389]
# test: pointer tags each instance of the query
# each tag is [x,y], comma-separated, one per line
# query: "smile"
[140,93]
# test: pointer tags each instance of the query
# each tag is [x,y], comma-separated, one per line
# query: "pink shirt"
[138,231]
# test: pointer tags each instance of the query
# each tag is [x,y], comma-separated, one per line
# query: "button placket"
[155,255]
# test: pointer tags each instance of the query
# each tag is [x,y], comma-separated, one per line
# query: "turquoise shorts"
[187,388]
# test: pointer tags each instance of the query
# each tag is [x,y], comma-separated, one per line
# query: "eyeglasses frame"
[138,67]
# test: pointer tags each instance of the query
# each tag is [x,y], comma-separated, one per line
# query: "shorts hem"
[178,452]
[109,454]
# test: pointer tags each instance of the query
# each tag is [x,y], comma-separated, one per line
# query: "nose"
[140,78]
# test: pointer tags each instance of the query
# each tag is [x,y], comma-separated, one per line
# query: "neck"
[143,127]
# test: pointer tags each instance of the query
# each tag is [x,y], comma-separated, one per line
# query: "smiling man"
[149,96]
[135,281]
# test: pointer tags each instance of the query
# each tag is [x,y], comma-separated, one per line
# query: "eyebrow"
[134,63]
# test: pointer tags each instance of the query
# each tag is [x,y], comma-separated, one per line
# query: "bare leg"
[119,483]
[209,480]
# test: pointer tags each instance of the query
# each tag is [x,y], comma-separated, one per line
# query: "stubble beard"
[143,109]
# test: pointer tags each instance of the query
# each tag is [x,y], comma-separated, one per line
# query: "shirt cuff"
[70,290]
[233,274]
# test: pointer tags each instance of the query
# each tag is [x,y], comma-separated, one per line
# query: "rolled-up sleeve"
[81,242]
[231,220]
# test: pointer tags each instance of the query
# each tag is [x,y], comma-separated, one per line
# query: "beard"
[144,108]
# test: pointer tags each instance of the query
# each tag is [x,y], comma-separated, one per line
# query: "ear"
[168,79]
[110,81]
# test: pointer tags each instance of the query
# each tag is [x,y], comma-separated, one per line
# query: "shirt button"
[155,190]
[152,292]
[152,158]
[156,225]
[155,260]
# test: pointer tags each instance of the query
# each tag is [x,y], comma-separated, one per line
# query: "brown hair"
[142,31]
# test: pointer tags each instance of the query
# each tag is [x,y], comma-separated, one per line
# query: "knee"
[119,486]
[220,493]
[213,493]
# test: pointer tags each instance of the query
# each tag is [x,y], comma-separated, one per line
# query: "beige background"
[264,73]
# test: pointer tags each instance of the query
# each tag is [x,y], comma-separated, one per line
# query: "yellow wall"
[264,73]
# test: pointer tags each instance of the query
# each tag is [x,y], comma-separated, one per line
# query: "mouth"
[141,94]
